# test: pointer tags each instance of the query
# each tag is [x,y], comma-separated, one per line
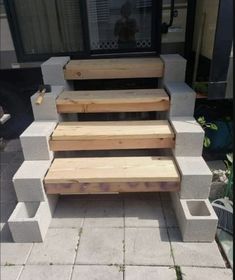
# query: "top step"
[121,68]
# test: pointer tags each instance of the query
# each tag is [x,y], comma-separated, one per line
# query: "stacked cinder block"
[33,213]
[196,217]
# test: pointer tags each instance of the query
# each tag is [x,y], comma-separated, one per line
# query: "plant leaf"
[230,157]
[207,142]
[214,126]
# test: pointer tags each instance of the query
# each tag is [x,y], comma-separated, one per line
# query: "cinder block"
[174,68]
[53,72]
[30,220]
[28,180]
[35,140]
[196,218]
[182,99]
[196,177]
[47,111]
[189,136]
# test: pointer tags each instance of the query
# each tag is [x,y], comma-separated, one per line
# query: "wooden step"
[114,68]
[110,135]
[138,100]
[112,174]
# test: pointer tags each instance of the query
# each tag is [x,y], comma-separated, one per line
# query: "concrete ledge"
[47,111]
[53,71]
[196,177]
[174,68]
[189,136]
[28,181]
[35,141]
[182,99]
[30,220]
[196,217]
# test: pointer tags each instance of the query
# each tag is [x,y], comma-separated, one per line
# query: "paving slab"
[165,196]
[147,246]
[149,273]
[13,145]
[15,253]
[169,214]
[7,191]
[108,213]
[143,213]
[101,246]
[10,171]
[5,233]
[6,208]
[59,247]
[69,213]
[194,253]
[44,272]
[97,272]
[200,273]
[10,272]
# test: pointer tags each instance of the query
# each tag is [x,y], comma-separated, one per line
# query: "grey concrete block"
[47,111]
[196,218]
[35,140]
[174,68]
[28,181]
[205,273]
[182,99]
[189,136]
[30,220]
[97,272]
[59,247]
[147,246]
[50,272]
[149,273]
[53,71]
[196,177]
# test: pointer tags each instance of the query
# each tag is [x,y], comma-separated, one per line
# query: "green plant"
[205,125]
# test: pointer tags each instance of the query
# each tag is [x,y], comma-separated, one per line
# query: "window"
[82,28]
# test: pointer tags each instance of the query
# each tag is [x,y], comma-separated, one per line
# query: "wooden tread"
[138,100]
[112,174]
[114,68]
[71,136]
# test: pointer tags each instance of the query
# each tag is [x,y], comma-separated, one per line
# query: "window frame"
[87,52]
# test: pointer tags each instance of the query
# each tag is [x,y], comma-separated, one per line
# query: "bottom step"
[112,175]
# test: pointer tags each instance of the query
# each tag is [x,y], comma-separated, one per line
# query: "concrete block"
[189,136]
[174,68]
[182,99]
[53,71]
[35,140]
[47,111]
[196,217]
[28,181]
[196,177]
[30,220]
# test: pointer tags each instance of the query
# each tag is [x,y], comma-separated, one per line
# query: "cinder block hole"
[198,208]
[28,210]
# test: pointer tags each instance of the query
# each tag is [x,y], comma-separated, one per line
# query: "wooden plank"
[112,169]
[114,68]
[112,135]
[90,188]
[138,100]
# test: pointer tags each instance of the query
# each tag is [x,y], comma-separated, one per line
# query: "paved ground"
[106,237]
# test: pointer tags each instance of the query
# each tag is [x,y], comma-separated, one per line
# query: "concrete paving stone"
[3,167]
[10,272]
[169,213]
[6,157]
[10,171]
[143,213]
[101,246]
[69,214]
[93,197]
[44,272]
[5,234]
[147,246]
[199,273]
[142,196]
[19,157]
[59,247]
[13,146]
[97,272]
[149,273]
[7,191]
[6,208]
[194,253]
[165,196]
[15,253]
[104,214]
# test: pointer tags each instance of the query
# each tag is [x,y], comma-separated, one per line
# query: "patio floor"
[104,237]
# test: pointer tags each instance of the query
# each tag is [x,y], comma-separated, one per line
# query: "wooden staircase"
[112,174]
